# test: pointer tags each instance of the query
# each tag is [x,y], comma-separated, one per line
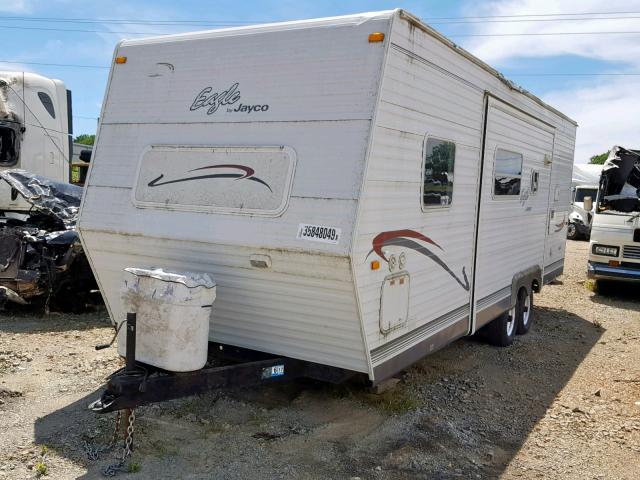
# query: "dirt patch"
[562,402]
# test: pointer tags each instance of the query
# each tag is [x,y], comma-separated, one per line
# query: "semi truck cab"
[35,130]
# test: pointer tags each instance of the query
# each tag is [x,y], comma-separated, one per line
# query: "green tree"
[599,159]
[85,139]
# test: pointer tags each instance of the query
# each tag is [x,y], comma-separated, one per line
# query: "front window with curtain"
[439,161]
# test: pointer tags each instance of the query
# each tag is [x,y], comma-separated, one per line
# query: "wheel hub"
[512,321]
[526,310]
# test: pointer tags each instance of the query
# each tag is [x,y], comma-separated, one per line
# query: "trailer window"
[9,147]
[47,103]
[439,161]
[217,179]
[507,175]
[585,192]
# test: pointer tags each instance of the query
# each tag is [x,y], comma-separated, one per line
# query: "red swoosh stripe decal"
[247,170]
[402,238]
[381,238]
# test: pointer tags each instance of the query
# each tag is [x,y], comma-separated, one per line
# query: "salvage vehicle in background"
[584,183]
[614,250]
[41,258]
[579,225]
[35,130]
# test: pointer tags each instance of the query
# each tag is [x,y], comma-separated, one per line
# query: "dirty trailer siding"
[431,91]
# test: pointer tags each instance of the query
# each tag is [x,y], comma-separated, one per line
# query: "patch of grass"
[134,467]
[393,401]
[215,427]
[163,448]
[339,391]
[41,469]
[591,286]
[597,323]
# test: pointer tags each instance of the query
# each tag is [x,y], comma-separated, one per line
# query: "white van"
[580,218]
[614,250]
[584,183]
[362,190]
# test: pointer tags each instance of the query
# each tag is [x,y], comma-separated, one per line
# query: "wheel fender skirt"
[525,278]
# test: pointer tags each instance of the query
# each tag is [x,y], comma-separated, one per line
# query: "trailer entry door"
[514,199]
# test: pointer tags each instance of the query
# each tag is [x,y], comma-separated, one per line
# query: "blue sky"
[598,103]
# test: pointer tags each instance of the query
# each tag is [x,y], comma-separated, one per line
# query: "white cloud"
[15,6]
[606,114]
[614,48]
[604,107]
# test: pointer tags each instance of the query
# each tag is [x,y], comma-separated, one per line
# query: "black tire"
[502,330]
[524,312]
[572,231]
[604,287]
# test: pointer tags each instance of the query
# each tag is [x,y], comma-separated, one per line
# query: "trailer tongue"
[139,384]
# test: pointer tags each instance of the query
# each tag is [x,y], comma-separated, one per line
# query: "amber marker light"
[375,265]
[614,263]
[121,60]
[376,37]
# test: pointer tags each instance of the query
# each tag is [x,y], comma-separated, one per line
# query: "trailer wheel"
[524,311]
[502,330]
[603,287]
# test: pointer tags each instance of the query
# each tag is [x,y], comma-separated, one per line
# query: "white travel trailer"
[35,130]
[361,190]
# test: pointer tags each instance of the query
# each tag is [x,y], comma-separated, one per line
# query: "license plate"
[275,371]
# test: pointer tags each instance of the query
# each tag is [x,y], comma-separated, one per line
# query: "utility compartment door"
[512,224]
[394,302]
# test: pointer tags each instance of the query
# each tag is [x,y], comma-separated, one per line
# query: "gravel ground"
[562,402]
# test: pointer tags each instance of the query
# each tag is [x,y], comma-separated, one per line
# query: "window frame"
[11,126]
[216,209]
[430,208]
[493,176]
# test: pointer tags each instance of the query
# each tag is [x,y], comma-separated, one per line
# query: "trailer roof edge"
[485,66]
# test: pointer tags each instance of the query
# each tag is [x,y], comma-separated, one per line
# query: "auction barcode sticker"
[319,233]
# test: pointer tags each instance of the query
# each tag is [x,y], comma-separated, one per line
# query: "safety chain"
[94,452]
[112,470]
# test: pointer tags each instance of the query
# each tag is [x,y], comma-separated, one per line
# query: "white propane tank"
[172,314]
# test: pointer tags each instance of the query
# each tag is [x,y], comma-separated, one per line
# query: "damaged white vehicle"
[614,250]
[41,259]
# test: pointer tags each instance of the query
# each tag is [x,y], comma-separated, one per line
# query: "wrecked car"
[614,250]
[41,259]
